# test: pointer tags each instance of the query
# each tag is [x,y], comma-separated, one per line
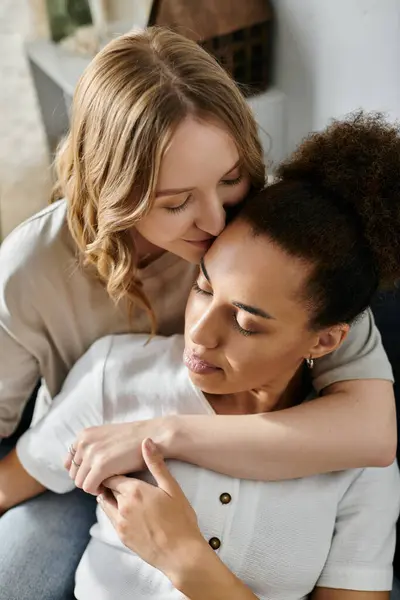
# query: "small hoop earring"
[310,362]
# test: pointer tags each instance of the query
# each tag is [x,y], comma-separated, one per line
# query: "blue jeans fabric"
[41,544]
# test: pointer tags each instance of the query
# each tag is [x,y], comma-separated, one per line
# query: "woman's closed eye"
[180,207]
[235,181]
[242,330]
[185,203]
[199,290]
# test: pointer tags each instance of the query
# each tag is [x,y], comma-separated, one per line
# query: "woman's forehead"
[256,269]
[198,149]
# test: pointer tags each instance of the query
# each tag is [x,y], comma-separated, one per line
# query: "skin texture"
[203,160]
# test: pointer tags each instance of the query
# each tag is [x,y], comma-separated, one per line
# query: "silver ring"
[76,464]
[72,450]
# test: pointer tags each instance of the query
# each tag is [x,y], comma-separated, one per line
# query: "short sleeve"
[361,356]
[19,373]
[363,543]
[19,369]
[43,448]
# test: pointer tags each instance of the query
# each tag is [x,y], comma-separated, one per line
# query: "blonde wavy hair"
[125,110]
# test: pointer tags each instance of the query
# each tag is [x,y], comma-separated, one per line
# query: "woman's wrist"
[170,435]
[193,572]
[200,574]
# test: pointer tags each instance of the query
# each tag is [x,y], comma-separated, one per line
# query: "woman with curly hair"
[162,144]
[251,336]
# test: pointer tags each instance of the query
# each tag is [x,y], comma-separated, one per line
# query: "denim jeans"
[41,544]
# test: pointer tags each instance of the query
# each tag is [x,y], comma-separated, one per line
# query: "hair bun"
[357,161]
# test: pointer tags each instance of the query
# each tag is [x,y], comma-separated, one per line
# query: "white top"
[52,310]
[279,538]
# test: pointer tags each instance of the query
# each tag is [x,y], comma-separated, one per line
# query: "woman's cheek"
[172,227]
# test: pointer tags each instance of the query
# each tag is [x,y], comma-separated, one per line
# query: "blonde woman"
[162,143]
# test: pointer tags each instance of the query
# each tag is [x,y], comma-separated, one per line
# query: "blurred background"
[313,60]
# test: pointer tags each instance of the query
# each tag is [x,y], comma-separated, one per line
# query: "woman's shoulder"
[37,244]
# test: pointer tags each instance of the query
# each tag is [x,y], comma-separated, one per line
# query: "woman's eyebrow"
[176,191]
[204,270]
[173,192]
[235,166]
[253,310]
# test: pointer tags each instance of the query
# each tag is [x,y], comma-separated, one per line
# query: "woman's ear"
[328,340]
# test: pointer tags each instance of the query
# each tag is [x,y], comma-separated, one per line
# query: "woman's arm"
[16,485]
[21,327]
[352,425]
[332,594]
[159,524]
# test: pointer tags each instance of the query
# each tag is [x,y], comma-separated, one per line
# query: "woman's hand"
[115,449]
[157,523]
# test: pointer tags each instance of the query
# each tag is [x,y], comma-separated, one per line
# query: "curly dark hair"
[336,204]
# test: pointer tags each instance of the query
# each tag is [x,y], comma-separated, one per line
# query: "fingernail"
[150,446]
[99,499]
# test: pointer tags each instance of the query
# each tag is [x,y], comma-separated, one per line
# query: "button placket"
[225,502]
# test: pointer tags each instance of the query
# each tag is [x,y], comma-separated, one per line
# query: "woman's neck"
[146,251]
[267,399]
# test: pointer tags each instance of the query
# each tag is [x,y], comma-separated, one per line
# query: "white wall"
[133,11]
[334,56]
[24,164]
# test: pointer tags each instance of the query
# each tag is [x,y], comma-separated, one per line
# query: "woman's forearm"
[201,574]
[16,485]
[352,426]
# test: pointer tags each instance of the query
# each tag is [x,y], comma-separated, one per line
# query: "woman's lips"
[202,244]
[195,364]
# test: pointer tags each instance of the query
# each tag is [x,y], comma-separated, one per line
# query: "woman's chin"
[209,383]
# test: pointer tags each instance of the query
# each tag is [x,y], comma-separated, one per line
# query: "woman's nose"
[204,330]
[212,218]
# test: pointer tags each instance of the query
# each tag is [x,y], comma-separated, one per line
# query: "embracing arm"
[16,485]
[332,594]
[352,425]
